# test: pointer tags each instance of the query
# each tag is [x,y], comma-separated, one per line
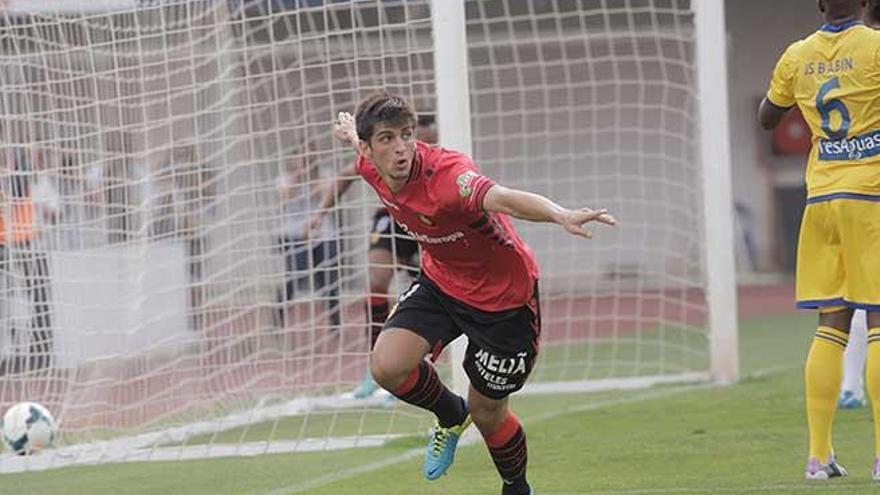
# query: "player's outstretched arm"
[769,114]
[331,194]
[345,131]
[337,188]
[537,208]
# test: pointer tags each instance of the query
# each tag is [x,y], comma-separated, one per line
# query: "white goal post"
[451,69]
[717,196]
[453,96]
[160,158]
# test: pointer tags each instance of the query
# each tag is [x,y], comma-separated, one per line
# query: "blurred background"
[159,159]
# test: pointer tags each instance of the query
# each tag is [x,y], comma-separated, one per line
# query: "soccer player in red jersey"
[478,278]
[390,249]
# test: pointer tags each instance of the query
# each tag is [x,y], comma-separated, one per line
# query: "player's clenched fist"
[344,129]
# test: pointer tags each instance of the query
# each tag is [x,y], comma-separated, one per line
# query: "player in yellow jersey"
[852,388]
[833,76]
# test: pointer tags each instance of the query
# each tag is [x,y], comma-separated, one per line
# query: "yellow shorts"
[838,259]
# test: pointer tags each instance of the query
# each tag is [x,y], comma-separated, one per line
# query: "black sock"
[425,390]
[507,447]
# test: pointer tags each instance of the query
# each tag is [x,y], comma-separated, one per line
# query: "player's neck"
[395,186]
[837,21]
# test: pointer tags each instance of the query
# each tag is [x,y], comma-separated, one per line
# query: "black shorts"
[386,234]
[502,345]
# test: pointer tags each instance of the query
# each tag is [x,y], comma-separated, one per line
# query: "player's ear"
[364,149]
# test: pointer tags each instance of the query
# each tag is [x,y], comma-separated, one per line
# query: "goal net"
[161,158]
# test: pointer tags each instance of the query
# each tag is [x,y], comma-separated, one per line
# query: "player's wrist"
[559,215]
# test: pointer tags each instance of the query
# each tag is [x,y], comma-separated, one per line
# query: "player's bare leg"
[381,272]
[505,439]
[397,354]
[822,374]
[398,365]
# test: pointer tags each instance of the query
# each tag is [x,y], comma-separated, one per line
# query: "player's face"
[392,149]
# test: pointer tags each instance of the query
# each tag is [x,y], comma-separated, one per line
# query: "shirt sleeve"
[781,92]
[465,187]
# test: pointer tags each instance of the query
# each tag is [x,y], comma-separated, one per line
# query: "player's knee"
[873,318]
[488,415]
[838,318]
[387,371]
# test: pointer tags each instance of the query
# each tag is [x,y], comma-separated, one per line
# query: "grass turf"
[745,438]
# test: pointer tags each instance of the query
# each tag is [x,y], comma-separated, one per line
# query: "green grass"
[659,350]
[663,348]
[745,438]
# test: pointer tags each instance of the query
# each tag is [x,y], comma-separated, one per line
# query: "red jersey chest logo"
[434,233]
[425,219]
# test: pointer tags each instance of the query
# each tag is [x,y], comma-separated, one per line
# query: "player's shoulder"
[441,162]
[447,173]
[864,37]
[862,31]
[858,38]
[854,34]
[799,48]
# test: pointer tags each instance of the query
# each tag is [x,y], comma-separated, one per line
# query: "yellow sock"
[823,373]
[872,381]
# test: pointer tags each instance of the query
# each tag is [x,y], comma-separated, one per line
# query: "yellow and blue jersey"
[833,76]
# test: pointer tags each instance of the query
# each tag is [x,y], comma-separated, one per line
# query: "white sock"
[854,356]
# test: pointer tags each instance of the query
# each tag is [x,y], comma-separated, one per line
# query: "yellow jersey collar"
[837,28]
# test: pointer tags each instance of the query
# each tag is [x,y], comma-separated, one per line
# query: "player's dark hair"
[839,10]
[872,14]
[383,108]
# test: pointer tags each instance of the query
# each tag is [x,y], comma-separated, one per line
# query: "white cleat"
[817,471]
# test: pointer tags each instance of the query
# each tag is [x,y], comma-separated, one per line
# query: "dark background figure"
[21,258]
[311,256]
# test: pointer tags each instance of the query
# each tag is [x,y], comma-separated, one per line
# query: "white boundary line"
[160,445]
[796,488]
[647,395]
[148,447]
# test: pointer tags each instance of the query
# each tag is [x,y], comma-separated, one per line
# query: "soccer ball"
[28,427]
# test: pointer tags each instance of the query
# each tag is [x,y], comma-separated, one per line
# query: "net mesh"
[161,159]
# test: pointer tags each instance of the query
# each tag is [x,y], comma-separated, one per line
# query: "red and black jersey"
[474,256]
